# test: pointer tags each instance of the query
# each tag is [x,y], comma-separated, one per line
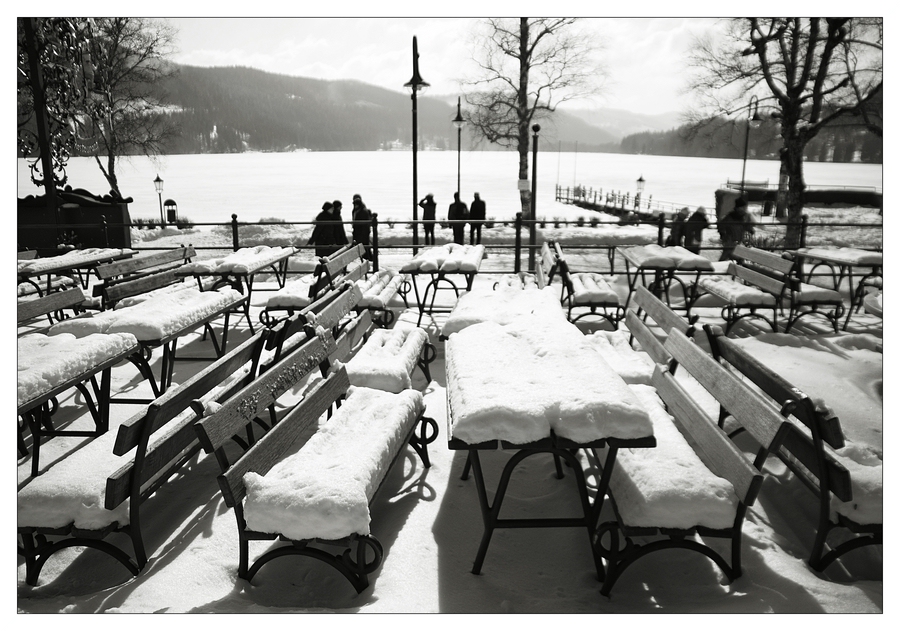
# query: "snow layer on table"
[592,288]
[246,259]
[851,256]
[379,288]
[324,489]
[168,289]
[72,258]
[517,281]
[668,485]
[387,359]
[450,257]
[206,266]
[73,490]
[650,255]
[46,361]
[736,293]
[152,319]
[295,293]
[634,367]
[517,382]
[502,306]
[654,255]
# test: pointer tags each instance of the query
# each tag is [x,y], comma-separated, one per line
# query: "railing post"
[803,225]
[234,233]
[517,267]
[662,224]
[374,242]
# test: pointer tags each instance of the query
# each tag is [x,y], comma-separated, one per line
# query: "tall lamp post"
[640,192]
[459,122]
[158,183]
[753,120]
[532,228]
[415,85]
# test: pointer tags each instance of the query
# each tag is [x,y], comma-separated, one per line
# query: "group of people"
[458,213]
[687,230]
[328,235]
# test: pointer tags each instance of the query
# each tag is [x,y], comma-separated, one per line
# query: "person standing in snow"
[458,212]
[693,230]
[676,235]
[476,219]
[362,224]
[328,234]
[733,228]
[428,206]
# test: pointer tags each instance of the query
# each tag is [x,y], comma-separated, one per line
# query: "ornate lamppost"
[532,229]
[459,122]
[158,183]
[415,85]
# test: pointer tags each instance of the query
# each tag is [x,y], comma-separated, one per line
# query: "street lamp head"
[158,183]
[459,122]
[535,128]
[417,83]
[640,184]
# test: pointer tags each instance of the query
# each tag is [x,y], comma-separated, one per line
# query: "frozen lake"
[293,186]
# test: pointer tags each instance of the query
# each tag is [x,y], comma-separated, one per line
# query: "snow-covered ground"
[429,523]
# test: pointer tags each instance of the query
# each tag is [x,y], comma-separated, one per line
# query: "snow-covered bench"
[696,482]
[101,488]
[310,481]
[848,499]
[764,281]
[379,290]
[160,321]
[327,312]
[73,263]
[347,264]
[51,305]
[587,290]
[440,263]
[636,366]
[387,358]
[139,274]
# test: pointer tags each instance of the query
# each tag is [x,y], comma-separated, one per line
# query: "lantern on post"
[459,122]
[158,183]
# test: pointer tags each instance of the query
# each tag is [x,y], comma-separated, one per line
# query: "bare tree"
[123,113]
[809,73]
[527,67]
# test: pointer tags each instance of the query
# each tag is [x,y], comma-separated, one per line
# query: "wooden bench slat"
[297,427]
[247,404]
[647,340]
[720,454]
[661,314]
[55,301]
[760,280]
[142,285]
[748,407]
[137,263]
[764,258]
[798,446]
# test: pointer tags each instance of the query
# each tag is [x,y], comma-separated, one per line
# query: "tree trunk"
[792,163]
[524,62]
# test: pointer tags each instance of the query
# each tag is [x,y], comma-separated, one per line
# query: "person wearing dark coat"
[328,234]
[362,224]
[476,219]
[428,206]
[733,227]
[460,212]
[693,230]
[676,235]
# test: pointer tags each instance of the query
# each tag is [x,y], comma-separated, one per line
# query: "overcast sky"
[644,57]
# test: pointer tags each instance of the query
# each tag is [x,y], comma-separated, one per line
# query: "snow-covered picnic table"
[240,268]
[535,386]
[71,264]
[160,320]
[665,262]
[438,263]
[502,305]
[841,262]
[51,364]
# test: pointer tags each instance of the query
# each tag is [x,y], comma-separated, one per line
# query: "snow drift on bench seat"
[631,365]
[294,294]
[324,489]
[589,287]
[387,359]
[669,486]
[379,288]
[736,293]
